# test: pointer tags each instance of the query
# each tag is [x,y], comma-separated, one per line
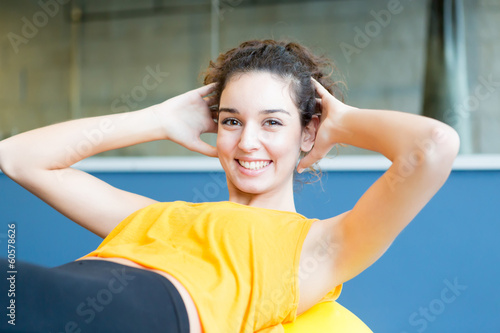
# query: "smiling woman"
[243,257]
[267,115]
[259,140]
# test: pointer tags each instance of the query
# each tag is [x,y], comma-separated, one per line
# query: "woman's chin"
[251,188]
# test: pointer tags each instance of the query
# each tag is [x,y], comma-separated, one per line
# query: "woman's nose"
[249,140]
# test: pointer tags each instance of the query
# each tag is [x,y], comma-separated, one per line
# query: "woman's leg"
[91,296]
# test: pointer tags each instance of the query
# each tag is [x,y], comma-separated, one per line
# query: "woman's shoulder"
[317,262]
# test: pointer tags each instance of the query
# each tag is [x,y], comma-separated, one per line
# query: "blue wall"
[453,242]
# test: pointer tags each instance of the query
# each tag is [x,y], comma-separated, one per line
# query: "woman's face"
[259,134]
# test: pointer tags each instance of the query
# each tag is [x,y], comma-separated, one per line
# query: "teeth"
[253,165]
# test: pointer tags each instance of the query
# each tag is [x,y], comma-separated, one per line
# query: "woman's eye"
[273,122]
[230,122]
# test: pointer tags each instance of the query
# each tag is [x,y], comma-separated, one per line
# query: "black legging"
[89,296]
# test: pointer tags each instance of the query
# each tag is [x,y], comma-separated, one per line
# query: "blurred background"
[66,59]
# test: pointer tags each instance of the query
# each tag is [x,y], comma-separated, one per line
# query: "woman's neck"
[279,199]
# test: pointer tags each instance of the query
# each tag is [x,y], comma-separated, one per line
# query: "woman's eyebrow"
[228,110]
[274,111]
[231,110]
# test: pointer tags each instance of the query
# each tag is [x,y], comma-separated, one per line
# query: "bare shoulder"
[317,274]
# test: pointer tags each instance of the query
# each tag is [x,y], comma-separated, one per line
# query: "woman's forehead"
[258,90]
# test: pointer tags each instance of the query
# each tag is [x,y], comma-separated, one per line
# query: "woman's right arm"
[40,160]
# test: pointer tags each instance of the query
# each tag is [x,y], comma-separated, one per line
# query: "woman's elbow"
[442,147]
[447,142]
[8,163]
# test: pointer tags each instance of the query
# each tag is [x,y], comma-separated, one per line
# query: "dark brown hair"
[290,61]
[286,59]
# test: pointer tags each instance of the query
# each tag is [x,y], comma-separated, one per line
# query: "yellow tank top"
[240,264]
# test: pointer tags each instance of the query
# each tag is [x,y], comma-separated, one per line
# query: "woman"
[230,266]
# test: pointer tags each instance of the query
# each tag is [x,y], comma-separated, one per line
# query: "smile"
[254,165]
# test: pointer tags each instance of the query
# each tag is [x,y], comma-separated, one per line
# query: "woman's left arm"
[422,151]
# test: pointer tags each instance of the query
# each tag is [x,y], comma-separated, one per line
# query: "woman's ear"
[309,134]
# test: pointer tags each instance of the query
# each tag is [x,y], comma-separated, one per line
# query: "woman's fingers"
[325,137]
[312,157]
[204,148]
[213,125]
[319,88]
[319,106]
[211,101]
[326,95]
[322,146]
[206,90]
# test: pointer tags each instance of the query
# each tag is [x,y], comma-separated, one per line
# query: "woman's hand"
[421,150]
[186,117]
[329,129]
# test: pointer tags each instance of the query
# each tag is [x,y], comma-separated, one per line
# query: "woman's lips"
[253,168]
[254,165]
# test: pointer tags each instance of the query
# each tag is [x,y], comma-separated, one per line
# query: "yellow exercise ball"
[327,317]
